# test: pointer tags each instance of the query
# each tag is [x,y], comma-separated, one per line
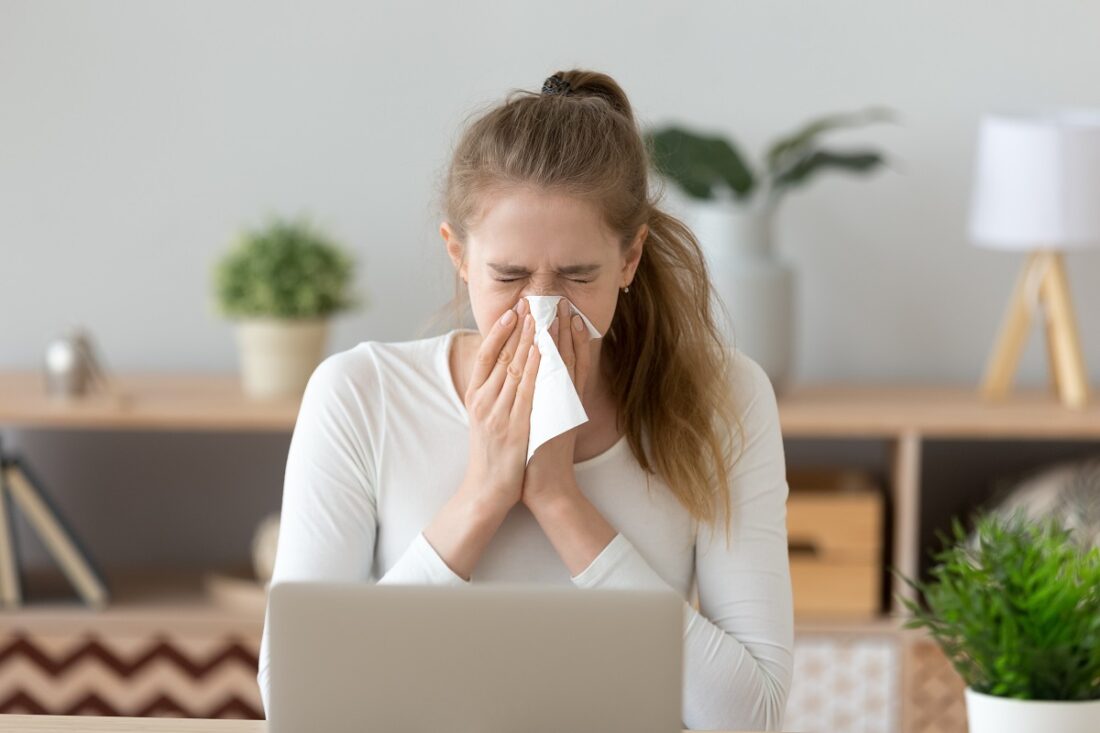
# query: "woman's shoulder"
[362,365]
[752,387]
[357,383]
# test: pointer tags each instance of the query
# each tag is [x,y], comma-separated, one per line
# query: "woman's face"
[534,243]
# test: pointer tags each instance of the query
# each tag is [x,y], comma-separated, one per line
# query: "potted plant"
[1016,610]
[281,282]
[730,204]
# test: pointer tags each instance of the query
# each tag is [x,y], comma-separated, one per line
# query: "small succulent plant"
[284,269]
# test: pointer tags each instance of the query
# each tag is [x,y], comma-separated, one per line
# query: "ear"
[454,248]
[633,255]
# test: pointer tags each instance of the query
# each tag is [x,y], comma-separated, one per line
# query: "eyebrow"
[584,269]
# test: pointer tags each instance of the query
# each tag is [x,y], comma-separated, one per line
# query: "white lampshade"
[1037,181]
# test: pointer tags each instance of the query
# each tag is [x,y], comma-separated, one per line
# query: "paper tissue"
[556,405]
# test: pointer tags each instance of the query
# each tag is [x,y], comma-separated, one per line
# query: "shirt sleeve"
[738,656]
[328,522]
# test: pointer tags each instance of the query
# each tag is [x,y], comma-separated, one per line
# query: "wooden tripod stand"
[1042,285]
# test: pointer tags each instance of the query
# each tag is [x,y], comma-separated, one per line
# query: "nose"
[536,289]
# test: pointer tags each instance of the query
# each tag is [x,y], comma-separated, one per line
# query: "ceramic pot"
[756,285]
[992,714]
[278,355]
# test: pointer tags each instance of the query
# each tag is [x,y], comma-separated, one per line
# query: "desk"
[113,724]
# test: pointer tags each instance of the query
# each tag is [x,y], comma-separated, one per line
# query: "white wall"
[136,137]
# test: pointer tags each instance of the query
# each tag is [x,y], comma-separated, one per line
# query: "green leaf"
[698,163]
[817,160]
[805,136]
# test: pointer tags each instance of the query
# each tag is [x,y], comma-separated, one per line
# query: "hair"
[668,365]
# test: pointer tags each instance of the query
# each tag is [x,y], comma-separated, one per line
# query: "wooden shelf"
[141,601]
[145,401]
[933,411]
[145,601]
[906,415]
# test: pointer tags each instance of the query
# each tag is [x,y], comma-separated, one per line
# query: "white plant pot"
[756,286]
[278,355]
[991,714]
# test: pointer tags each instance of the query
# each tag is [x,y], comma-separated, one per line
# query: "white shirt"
[382,441]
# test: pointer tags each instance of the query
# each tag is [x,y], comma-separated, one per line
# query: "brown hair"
[668,361]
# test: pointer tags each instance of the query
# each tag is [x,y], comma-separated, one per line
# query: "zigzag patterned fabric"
[158,675]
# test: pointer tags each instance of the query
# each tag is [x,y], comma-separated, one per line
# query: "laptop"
[493,658]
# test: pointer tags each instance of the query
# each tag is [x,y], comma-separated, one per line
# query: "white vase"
[991,714]
[278,355]
[756,285]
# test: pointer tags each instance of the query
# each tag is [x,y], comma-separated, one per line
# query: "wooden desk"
[113,724]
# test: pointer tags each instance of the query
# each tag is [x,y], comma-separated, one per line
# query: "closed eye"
[512,280]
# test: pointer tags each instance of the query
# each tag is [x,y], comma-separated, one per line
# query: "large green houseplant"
[730,203]
[1016,609]
[707,167]
[281,282]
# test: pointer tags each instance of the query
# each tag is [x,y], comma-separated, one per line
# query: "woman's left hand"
[550,470]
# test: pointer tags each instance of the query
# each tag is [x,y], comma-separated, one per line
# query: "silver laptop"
[494,658]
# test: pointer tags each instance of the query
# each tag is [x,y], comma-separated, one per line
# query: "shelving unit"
[906,419]
[170,619]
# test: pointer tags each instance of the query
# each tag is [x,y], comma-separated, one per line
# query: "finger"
[525,392]
[583,348]
[489,352]
[514,373]
[514,351]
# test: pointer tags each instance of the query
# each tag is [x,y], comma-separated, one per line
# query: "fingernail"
[578,324]
[508,317]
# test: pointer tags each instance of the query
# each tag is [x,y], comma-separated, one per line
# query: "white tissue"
[556,405]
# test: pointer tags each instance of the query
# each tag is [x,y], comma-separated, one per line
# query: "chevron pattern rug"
[160,675]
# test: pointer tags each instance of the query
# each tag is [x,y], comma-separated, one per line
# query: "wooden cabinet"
[185,655]
[910,422]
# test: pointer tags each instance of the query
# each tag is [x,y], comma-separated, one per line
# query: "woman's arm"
[328,521]
[738,646]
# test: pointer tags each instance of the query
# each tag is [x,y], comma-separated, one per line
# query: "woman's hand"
[498,401]
[550,470]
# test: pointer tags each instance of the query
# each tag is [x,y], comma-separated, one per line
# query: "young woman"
[407,462]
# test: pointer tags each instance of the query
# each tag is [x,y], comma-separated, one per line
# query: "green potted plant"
[281,282]
[729,202]
[1016,610]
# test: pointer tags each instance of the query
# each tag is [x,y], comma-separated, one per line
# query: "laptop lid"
[493,658]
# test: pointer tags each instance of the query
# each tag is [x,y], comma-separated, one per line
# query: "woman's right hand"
[498,401]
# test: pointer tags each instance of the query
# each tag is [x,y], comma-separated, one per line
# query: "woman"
[407,462]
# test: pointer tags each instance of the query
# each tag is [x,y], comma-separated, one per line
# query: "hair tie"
[556,85]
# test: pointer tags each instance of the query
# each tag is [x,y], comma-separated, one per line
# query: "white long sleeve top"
[382,440]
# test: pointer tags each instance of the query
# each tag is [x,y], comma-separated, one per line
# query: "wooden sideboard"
[203,655]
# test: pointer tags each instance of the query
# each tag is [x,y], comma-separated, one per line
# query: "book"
[10,586]
[43,515]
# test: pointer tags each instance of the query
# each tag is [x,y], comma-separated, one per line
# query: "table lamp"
[1037,190]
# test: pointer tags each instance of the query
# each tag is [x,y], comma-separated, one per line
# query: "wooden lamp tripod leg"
[1067,363]
[1063,344]
[1013,335]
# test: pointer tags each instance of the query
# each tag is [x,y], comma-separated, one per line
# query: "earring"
[626,289]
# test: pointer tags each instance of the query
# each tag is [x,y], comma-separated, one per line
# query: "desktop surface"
[117,724]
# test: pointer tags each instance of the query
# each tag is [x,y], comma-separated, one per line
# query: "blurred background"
[137,140]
